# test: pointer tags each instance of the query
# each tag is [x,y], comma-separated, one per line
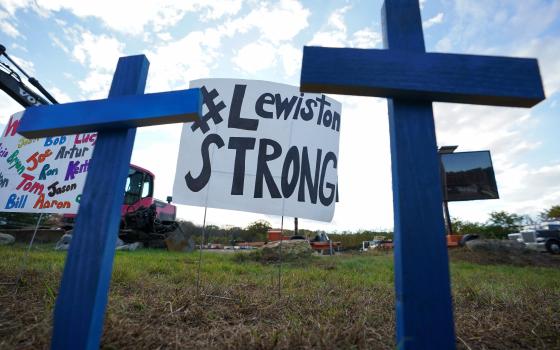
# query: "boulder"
[6,239]
[130,246]
[292,250]
[496,245]
[64,242]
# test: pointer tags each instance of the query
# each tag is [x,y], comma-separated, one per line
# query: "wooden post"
[422,283]
[82,298]
[411,79]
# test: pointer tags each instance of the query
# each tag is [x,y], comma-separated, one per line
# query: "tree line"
[498,226]
[502,223]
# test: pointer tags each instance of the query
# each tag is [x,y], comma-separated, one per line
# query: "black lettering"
[52,189]
[322,103]
[240,145]
[308,115]
[61,152]
[289,185]
[268,99]
[198,183]
[284,106]
[326,201]
[305,177]
[298,106]
[262,168]
[235,120]
[336,121]
[327,118]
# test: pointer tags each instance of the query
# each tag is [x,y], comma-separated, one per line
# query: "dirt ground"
[502,257]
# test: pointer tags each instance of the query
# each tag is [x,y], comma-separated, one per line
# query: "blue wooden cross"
[411,79]
[80,306]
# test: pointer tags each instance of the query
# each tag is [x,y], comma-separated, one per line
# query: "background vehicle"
[379,243]
[543,237]
[320,243]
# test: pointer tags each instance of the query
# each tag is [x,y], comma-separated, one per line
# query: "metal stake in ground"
[411,79]
[280,258]
[80,305]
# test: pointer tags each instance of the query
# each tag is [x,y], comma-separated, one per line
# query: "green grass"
[329,302]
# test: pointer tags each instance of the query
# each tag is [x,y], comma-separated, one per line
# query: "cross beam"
[411,79]
[80,305]
[130,111]
[486,80]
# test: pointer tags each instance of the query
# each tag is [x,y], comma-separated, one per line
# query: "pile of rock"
[288,251]
[496,245]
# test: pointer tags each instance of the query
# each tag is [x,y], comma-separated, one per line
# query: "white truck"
[543,237]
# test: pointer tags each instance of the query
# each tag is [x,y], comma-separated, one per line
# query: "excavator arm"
[12,84]
[16,89]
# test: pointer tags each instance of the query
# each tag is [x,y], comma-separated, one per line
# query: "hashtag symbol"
[213,111]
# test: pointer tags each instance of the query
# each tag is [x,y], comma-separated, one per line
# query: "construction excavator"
[143,218]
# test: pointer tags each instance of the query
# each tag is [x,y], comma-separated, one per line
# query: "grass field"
[329,302]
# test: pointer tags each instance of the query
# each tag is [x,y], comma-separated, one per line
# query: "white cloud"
[11,6]
[56,42]
[279,22]
[130,16]
[8,29]
[437,19]
[481,27]
[97,51]
[291,58]
[17,46]
[546,51]
[7,107]
[335,33]
[164,36]
[272,46]
[219,9]
[95,85]
[259,56]
[26,65]
[255,57]
[59,95]
[175,63]
[366,38]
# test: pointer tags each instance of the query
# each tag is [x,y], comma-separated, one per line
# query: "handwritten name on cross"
[411,79]
[80,306]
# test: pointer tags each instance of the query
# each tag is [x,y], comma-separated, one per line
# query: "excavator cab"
[139,193]
[139,185]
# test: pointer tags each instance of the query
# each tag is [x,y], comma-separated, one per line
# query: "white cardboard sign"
[261,147]
[42,175]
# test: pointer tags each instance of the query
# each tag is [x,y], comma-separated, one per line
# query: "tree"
[551,213]
[467,227]
[256,231]
[502,223]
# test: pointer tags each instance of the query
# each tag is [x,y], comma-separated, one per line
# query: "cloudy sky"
[72,48]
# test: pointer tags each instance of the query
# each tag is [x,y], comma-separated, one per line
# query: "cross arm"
[488,80]
[116,112]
